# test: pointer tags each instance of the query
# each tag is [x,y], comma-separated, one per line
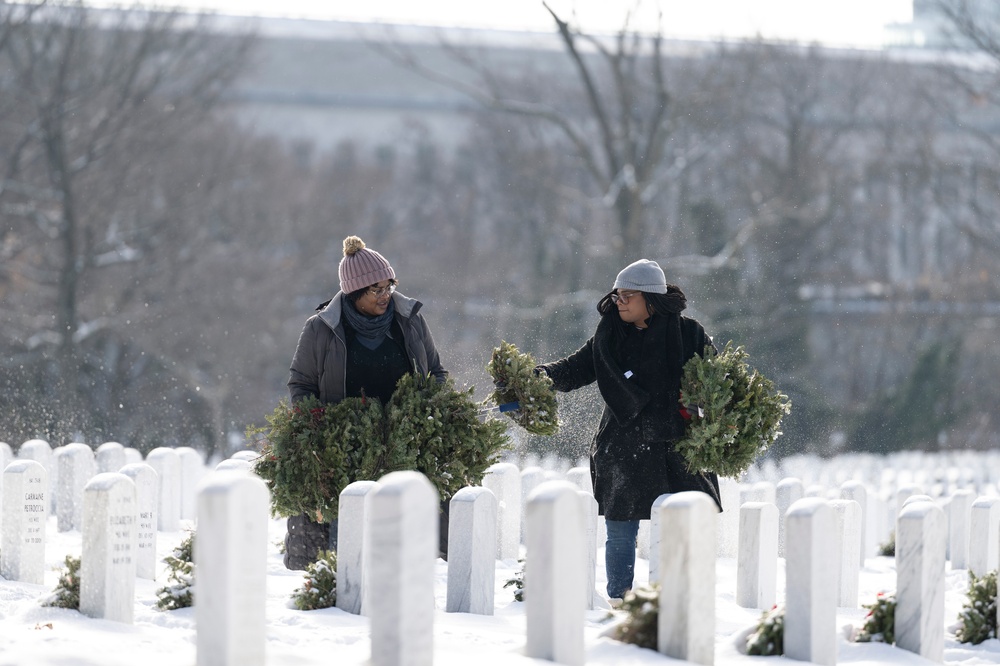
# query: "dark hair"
[674,301]
[353,297]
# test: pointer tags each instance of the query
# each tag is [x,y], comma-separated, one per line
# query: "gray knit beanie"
[362,266]
[643,275]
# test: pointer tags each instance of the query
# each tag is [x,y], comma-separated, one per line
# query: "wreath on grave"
[880,623]
[312,451]
[733,411]
[978,619]
[526,397]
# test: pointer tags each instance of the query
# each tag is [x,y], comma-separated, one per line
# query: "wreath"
[526,397]
[311,451]
[734,412]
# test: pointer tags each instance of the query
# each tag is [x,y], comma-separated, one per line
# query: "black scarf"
[371,331]
[626,399]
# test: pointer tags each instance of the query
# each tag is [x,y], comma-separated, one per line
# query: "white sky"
[857,22]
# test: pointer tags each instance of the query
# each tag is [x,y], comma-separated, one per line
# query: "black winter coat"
[632,457]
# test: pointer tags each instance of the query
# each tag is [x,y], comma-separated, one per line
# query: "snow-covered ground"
[33,635]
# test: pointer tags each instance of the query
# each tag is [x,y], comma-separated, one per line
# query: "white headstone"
[246,454]
[40,451]
[167,464]
[855,490]
[352,521]
[192,468]
[401,554]
[530,477]
[107,563]
[920,580]
[580,477]
[848,513]
[686,628]
[588,505]
[789,491]
[110,457]
[147,492]
[554,579]
[959,516]
[230,555]
[810,588]
[984,535]
[764,491]
[26,511]
[132,455]
[654,538]
[757,563]
[729,519]
[234,465]
[504,480]
[472,548]
[6,457]
[76,467]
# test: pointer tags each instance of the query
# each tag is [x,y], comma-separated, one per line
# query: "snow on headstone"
[26,511]
[757,560]
[167,464]
[580,477]
[76,467]
[401,555]
[192,468]
[504,480]
[230,555]
[147,491]
[686,623]
[554,576]
[959,516]
[810,589]
[654,538]
[472,535]
[132,455]
[920,566]
[352,514]
[108,563]
[984,530]
[110,457]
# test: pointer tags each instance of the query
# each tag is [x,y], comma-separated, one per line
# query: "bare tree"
[102,98]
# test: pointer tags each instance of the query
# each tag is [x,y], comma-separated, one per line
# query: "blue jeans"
[619,556]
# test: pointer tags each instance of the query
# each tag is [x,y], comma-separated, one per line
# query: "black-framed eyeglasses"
[379,292]
[623,296]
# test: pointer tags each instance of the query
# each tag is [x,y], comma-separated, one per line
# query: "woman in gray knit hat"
[636,356]
[362,341]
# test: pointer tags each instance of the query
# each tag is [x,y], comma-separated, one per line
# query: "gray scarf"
[371,331]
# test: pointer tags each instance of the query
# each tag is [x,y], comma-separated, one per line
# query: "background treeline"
[834,211]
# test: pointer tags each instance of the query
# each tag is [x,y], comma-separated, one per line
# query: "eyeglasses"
[623,296]
[379,292]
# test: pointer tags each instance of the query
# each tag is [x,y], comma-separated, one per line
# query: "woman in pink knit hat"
[362,341]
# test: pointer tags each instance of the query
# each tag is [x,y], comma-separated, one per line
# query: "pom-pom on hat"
[643,275]
[362,266]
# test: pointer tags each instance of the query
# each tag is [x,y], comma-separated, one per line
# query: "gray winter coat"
[319,367]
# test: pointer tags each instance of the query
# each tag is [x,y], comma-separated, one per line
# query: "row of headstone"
[70,467]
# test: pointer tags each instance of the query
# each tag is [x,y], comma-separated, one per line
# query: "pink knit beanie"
[361,266]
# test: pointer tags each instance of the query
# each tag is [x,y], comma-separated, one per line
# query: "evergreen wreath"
[978,618]
[880,623]
[67,592]
[515,380]
[312,451]
[438,433]
[641,625]
[734,412]
[320,587]
[768,639]
[178,594]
